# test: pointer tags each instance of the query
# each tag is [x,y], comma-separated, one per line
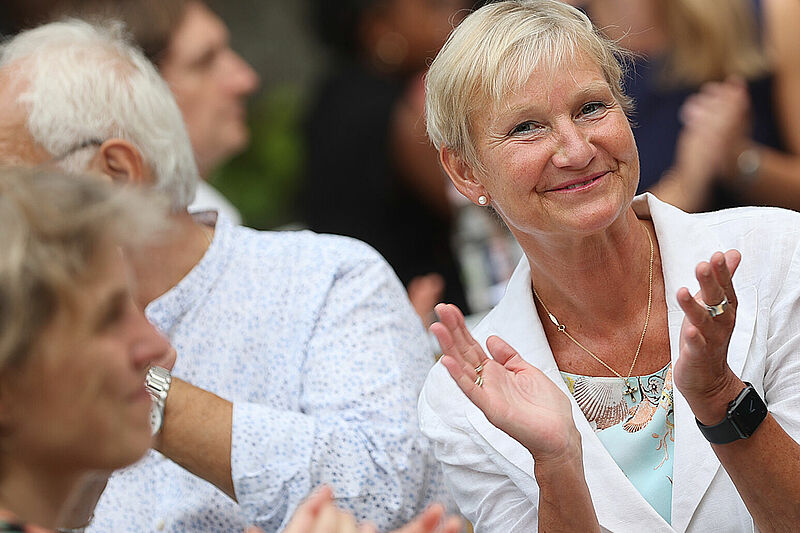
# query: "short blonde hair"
[493,53]
[52,226]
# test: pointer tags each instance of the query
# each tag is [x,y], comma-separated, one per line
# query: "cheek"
[519,171]
[621,143]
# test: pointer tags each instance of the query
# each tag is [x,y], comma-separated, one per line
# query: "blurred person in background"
[714,86]
[74,347]
[370,172]
[190,46]
[304,356]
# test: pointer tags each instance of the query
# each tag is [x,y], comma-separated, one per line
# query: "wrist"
[568,457]
[711,407]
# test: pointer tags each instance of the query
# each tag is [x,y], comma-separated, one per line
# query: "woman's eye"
[592,108]
[525,127]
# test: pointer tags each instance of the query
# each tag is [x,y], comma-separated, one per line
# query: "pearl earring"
[483,200]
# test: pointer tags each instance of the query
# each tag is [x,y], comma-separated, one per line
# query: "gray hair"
[493,53]
[52,225]
[87,83]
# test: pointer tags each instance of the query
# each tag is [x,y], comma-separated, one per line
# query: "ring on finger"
[716,310]
[479,381]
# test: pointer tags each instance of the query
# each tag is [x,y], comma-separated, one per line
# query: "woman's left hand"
[702,373]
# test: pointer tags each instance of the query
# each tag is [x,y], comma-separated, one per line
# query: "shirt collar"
[167,311]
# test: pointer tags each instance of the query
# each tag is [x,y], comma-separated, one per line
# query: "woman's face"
[559,156]
[78,401]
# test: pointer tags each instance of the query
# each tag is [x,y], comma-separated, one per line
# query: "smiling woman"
[574,428]
[74,348]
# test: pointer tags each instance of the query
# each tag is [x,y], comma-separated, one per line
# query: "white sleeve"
[489,490]
[782,366]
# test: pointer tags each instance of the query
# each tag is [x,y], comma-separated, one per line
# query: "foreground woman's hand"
[515,396]
[318,514]
[702,373]
[519,399]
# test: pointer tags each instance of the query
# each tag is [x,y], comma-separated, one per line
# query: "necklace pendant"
[629,391]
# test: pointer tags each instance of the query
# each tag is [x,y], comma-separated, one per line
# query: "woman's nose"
[574,150]
[149,346]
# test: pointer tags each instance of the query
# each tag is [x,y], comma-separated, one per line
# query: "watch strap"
[157,382]
[729,430]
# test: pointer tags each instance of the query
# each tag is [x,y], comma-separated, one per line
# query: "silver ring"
[479,381]
[479,368]
[716,310]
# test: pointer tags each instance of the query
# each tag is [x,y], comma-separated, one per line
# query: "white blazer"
[491,475]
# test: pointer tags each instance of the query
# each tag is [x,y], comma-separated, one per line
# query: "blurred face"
[210,83]
[559,155]
[78,402]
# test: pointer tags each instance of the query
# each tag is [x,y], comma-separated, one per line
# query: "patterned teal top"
[637,429]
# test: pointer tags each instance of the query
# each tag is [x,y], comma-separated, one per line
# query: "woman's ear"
[122,162]
[462,174]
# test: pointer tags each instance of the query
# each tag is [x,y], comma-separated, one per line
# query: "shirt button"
[160,524]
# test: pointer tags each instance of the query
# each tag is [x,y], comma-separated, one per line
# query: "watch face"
[748,412]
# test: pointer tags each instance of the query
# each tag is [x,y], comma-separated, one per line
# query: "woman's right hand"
[514,395]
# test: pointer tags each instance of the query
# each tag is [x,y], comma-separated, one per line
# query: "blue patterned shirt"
[314,341]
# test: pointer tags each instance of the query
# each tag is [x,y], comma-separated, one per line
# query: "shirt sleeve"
[356,429]
[488,489]
[782,365]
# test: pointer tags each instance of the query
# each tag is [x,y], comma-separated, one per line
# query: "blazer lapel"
[695,463]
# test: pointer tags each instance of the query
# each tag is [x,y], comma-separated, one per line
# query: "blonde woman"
[646,374]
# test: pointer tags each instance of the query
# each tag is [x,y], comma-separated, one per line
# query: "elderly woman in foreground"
[646,385]
[74,348]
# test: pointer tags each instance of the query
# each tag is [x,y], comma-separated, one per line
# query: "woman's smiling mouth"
[583,183]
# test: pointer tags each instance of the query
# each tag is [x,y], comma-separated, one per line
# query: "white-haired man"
[299,356]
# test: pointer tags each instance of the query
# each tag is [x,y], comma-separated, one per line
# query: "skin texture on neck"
[605,268]
[160,267]
[35,495]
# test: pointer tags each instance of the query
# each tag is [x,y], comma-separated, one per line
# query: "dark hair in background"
[337,22]
[149,22]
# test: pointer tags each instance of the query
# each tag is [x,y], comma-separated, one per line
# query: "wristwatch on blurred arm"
[157,383]
[744,415]
[748,164]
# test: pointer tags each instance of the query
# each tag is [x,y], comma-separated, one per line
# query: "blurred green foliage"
[263,181]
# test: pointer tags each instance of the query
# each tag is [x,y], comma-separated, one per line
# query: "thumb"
[503,353]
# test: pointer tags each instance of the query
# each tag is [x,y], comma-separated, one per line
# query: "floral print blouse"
[634,420]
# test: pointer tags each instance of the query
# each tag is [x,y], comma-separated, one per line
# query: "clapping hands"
[319,514]
[514,395]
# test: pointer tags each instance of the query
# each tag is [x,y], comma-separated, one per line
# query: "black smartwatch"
[744,415]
